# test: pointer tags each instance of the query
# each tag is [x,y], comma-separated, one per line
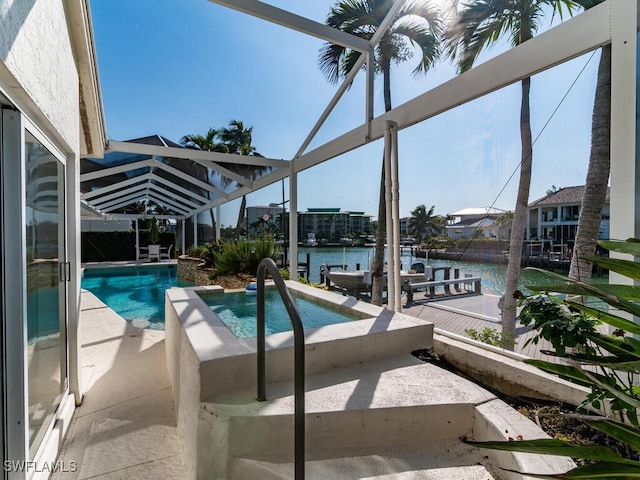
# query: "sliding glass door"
[46,274]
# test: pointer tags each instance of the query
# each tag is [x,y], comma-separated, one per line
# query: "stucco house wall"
[37,65]
[48,86]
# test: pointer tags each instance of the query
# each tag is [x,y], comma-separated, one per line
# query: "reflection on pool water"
[134,293]
[43,313]
[238,312]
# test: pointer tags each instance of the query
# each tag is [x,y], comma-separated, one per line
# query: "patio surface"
[126,426]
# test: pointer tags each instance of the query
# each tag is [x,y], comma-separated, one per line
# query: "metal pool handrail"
[298,346]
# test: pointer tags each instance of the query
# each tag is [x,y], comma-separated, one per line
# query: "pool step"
[326,349]
[389,402]
[416,462]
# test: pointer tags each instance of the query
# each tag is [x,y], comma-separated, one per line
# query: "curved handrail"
[298,345]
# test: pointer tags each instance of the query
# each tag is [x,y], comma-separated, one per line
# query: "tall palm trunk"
[519,215]
[377,268]
[595,191]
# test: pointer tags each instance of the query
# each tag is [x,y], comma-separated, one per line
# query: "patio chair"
[166,254]
[154,252]
[143,253]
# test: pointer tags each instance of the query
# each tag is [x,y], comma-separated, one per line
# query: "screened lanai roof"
[190,181]
[156,170]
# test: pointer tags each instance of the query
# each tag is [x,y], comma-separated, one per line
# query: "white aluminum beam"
[119,194]
[115,170]
[163,194]
[386,23]
[132,216]
[180,174]
[625,205]
[369,59]
[348,80]
[572,38]
[168,183]
[296,22]
[115,195]
[180,209]
[123,201]
[269,179]
[225,172]
[189,154]
[115,186]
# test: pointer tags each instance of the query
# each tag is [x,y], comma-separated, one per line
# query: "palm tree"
[502,221]
[205,143]
[418,24]
[595,191]
[238,140]
[479,25]
[423,223]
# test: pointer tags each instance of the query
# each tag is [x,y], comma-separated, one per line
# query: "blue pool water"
[238,312]
[135,293]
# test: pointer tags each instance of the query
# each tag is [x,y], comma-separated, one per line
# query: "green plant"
[243,256]
[491,336]
[206,252]
[284,273]
[607,364]
[195,252]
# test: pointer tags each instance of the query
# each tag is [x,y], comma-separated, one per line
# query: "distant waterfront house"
[554,217]
[331,224]
[468,221]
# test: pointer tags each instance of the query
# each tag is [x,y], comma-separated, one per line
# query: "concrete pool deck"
[127,425]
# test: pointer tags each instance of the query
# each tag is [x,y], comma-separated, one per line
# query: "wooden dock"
[475,312]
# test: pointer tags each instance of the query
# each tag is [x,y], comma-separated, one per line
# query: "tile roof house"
[554,217]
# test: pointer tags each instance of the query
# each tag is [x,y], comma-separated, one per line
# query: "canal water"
[493,275]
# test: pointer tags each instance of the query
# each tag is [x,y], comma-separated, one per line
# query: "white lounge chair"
[166,254]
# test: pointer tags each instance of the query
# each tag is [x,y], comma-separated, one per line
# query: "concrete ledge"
[495,420]
[504,371]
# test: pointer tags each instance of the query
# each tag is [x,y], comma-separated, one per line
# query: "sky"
[176,67]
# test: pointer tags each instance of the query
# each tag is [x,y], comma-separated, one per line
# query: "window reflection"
[45,293]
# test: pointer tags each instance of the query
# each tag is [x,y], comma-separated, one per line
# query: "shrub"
[206,252]
[607,364]
[195,252]
[491,336]
[243,256]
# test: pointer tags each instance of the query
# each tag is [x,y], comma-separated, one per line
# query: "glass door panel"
[46,293]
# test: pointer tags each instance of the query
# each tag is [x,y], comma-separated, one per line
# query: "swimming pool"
[134,293]
[238,312]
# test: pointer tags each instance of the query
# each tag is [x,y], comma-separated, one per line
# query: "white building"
[470,221]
